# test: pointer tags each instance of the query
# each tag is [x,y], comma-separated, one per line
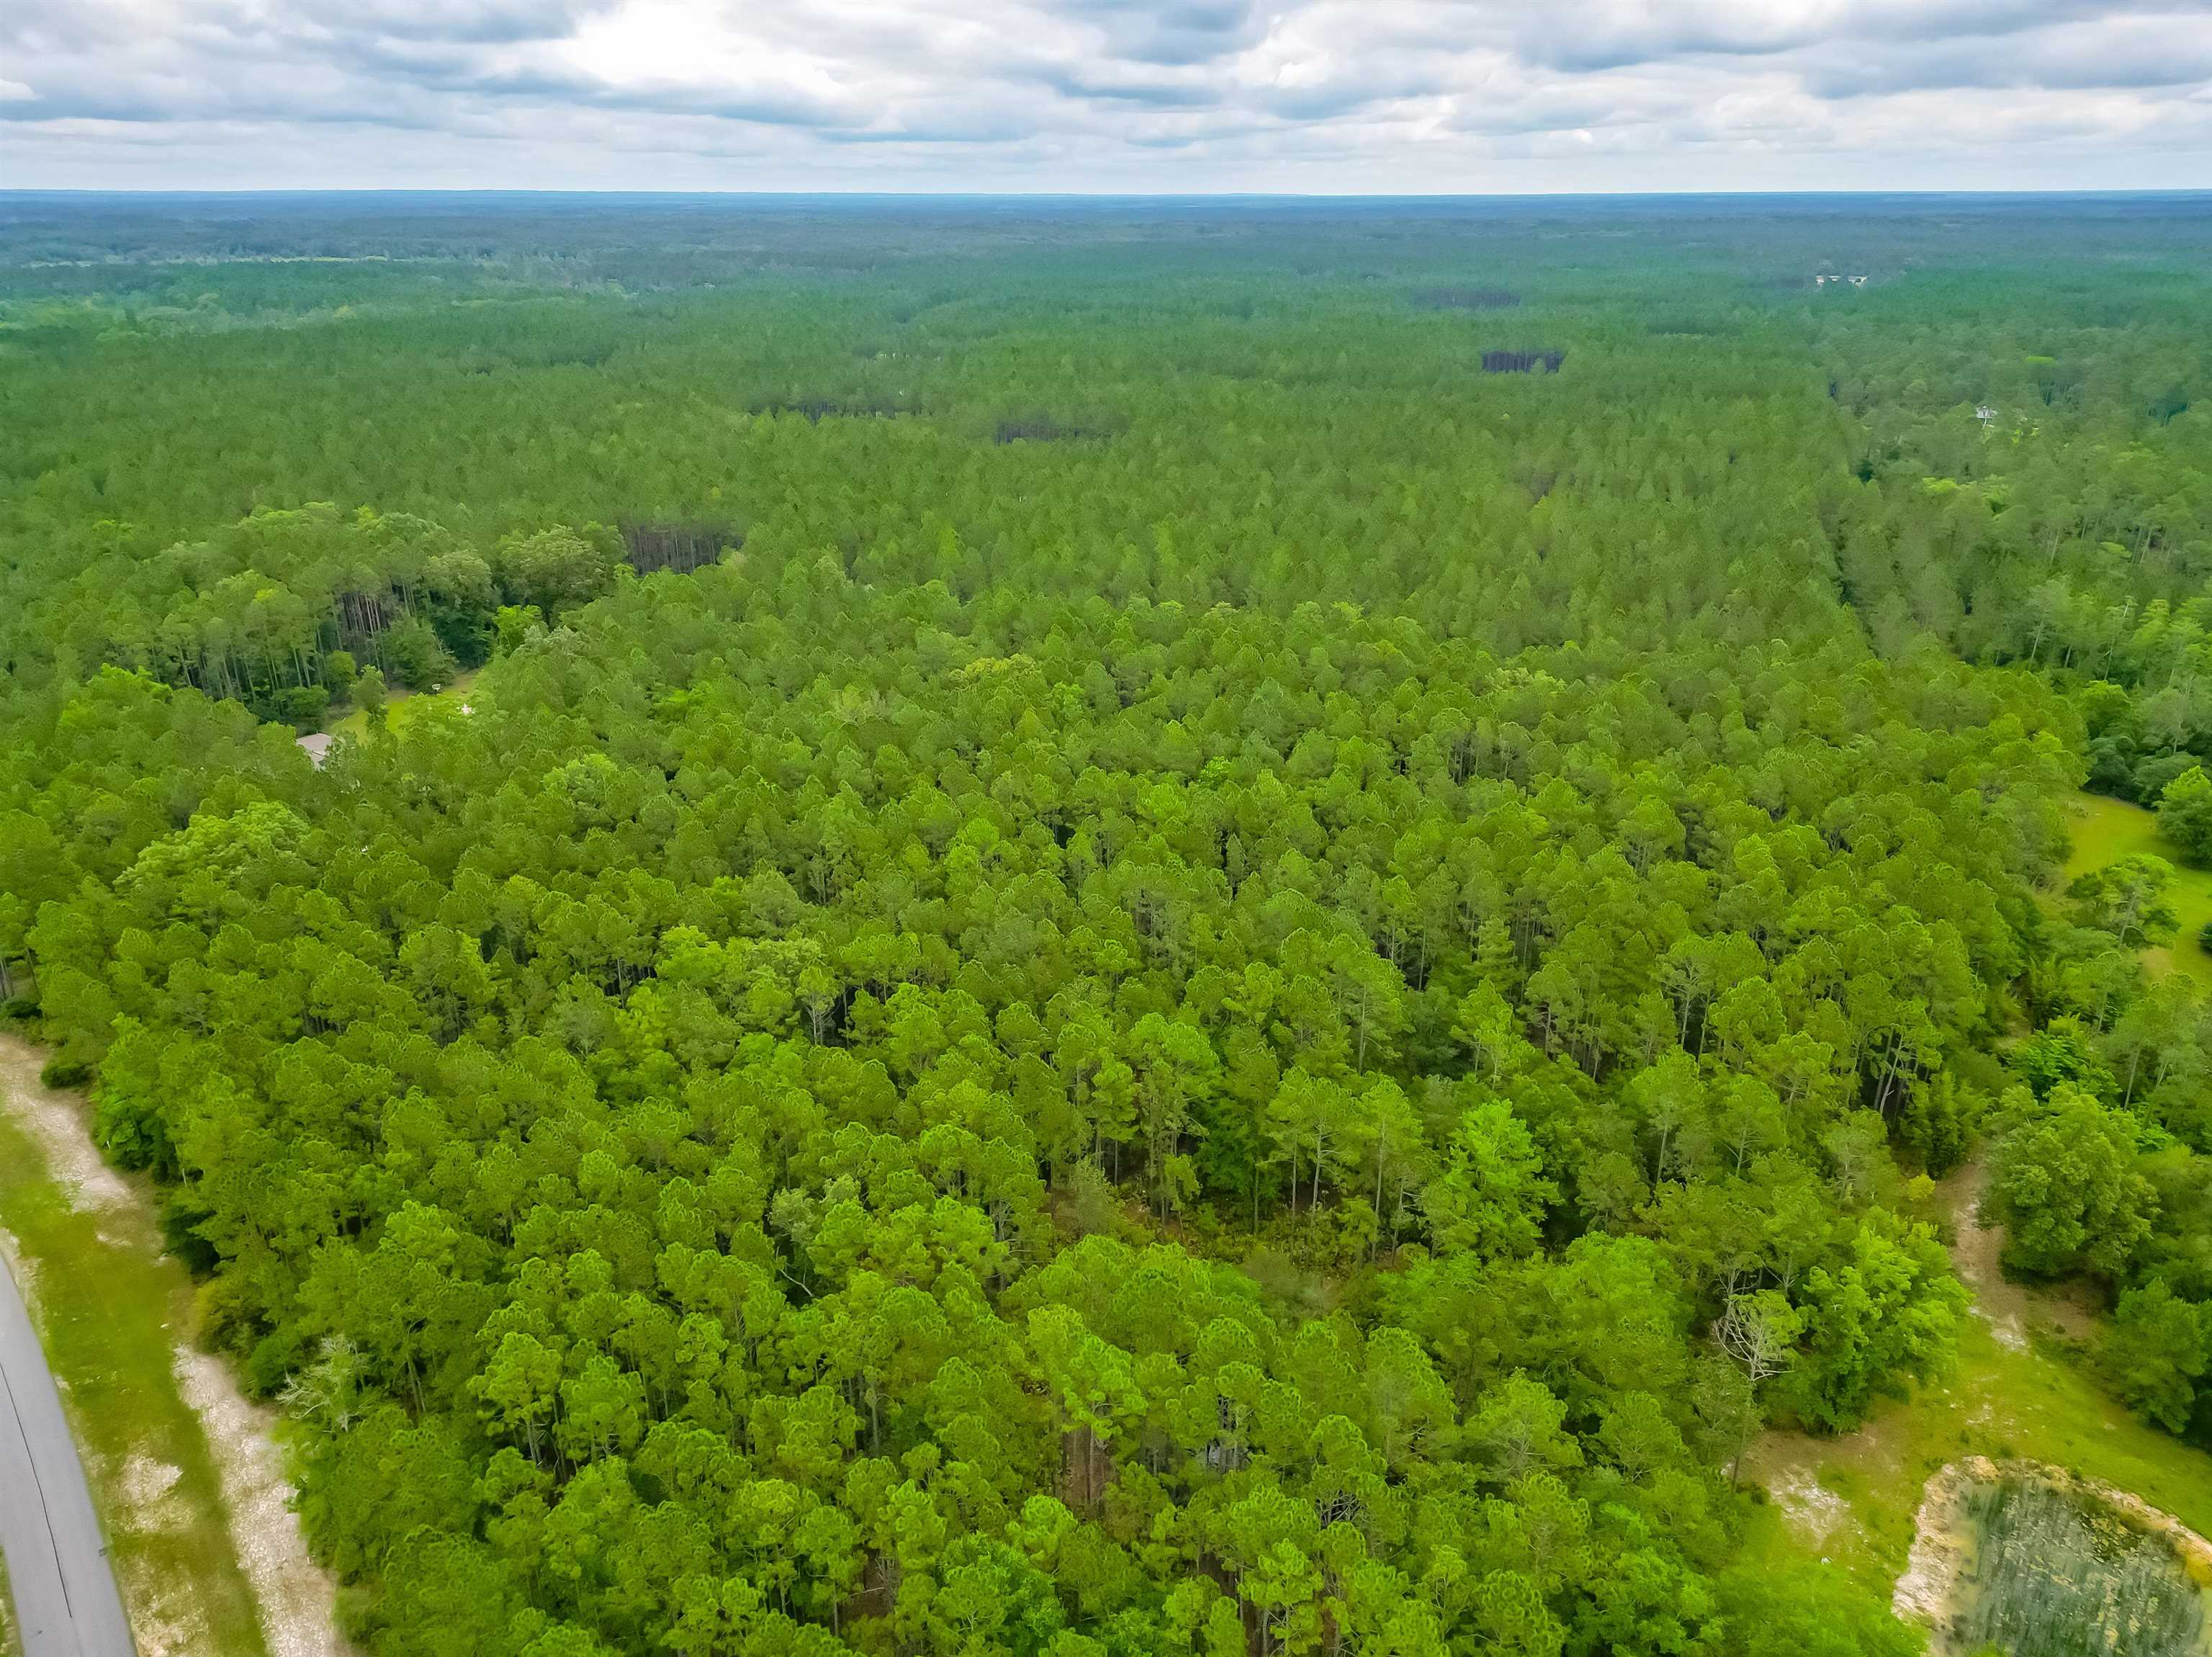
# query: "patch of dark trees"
[683,548]
[526,353]
[1043,428]
[817,408]
[1465,299]
[1521,361]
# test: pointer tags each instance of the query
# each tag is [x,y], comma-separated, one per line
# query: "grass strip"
[11,1642]
[108,1305]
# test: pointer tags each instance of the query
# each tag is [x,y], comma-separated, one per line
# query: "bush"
[303,707]
[2065,1184]
[63,1071]
[2157,1353]
[2184,814]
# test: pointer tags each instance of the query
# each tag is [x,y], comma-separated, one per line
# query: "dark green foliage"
[2158,1353]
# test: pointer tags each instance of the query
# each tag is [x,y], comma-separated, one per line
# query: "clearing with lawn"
[2104,830]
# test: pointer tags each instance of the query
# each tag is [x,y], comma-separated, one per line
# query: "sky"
[1317,96]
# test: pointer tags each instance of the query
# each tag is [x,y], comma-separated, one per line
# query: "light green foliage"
[546,572]
[1810,1611]
[368,696]
[2065,1184]
[2066,1050]
[1092,759]
[1890,1311]
[2184,814]
[2128,899]
[1491,1197]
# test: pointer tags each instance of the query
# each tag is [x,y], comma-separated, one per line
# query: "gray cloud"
[1321,95]
[1177,32]
[2127,53]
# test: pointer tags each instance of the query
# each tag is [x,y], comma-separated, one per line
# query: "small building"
[1984,413]
[316,745]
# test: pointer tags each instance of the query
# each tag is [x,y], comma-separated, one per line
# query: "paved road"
[65,1600]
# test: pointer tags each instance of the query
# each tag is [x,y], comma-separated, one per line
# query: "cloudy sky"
[1318,95]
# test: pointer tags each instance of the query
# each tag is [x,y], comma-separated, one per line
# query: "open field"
[2104,830]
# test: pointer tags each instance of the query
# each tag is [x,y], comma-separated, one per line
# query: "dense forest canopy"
[1150,927]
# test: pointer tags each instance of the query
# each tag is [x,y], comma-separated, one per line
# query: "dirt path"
[2010,1309]
[294,1597]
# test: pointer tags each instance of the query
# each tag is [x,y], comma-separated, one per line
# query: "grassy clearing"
[1853,1500]
[2104,830]
[402,705]
[2023,1388]
[107,1303]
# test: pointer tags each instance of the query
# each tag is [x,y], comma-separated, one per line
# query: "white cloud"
[1325,95]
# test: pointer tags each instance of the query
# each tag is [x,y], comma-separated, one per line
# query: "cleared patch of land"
[113,1310]
[2104,830]
[2024,1388]
[402,705]
[2023,1391]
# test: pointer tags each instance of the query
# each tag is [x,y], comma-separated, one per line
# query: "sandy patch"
[145,1484]
[1811,1509]
[296,1595]
[57,1121]
[1940,1545]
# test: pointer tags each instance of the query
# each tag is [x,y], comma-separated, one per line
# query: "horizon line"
[14,192]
